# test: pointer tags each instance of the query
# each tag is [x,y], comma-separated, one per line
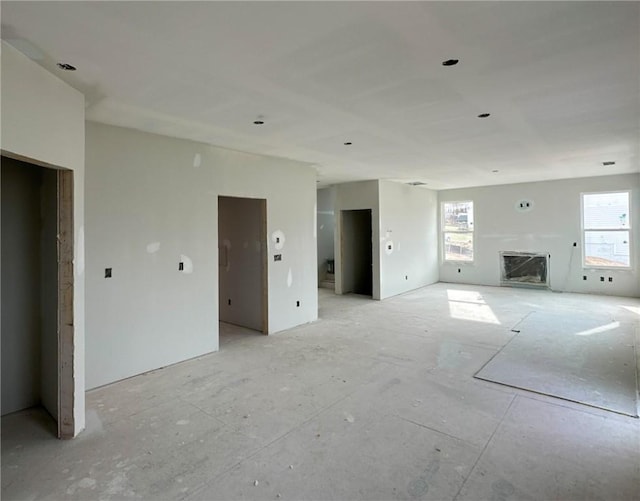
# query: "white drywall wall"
[408,237]
[353,196]
[241,251]
[42,121]
[152,201]
[21,368]
[551,226]
[326,223]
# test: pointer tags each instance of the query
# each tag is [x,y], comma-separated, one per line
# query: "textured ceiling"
[560,79]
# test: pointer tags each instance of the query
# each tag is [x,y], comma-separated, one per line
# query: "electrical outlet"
[297,304]
[602,279]
[575,244]
[610,279]
[406,277]
[584,277]
[229,302]
[107,273]
[277,257]
[459,270]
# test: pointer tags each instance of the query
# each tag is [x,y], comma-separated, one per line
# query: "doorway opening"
[37,291]
[242,267]
[356,241]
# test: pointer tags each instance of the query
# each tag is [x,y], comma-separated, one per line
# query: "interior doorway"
[37,290]
[356,242]
[242,263]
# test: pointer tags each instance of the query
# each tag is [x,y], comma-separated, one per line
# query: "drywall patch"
[153,247]
[289,278]
[187,264]
[278,239]
[524,205]
[388,247]
[197,160]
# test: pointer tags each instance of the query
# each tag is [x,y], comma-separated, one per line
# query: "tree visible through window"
[457,231]
[606,227]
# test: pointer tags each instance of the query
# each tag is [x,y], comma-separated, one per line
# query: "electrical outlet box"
[277,257]
[108,273]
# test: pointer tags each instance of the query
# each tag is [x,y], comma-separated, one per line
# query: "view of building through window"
[457,228]
[606,229]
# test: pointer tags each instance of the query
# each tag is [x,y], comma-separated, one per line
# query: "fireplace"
[524,268]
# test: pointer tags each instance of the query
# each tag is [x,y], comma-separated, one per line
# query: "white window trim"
[443,231]
[583,230]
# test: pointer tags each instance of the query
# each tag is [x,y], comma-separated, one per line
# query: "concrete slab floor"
[376,400]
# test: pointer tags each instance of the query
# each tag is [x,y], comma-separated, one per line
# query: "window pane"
[606,248]
[458,216]
[606,210]
[458,246]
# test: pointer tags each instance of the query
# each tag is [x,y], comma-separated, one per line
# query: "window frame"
[584,230]
[444,231]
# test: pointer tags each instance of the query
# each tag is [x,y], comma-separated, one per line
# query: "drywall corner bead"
[79,253]
[278,239]
[188,264]
[153,247]
[197,160]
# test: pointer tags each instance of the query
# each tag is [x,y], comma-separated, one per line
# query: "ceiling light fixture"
[416,183]
[348,143]
[495,170]
[450,62]
[66,67]
[258,122]
[610,162]
[484,115]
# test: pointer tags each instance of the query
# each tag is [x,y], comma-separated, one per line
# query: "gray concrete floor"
[376,400]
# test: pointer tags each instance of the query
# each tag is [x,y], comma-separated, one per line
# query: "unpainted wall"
[354,196]
[29,287]
[43,122]
[408,238]
[326,224]
[551,226]
[152,201]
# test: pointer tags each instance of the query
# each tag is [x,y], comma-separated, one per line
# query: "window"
[457,231]
[606,230]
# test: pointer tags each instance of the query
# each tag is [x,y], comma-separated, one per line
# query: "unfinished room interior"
[320,250]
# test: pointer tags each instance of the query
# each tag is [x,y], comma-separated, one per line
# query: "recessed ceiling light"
[495,170]
[348,143]
[484,115]
[66,67]
[610,162]
[258,122]
[450,62]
